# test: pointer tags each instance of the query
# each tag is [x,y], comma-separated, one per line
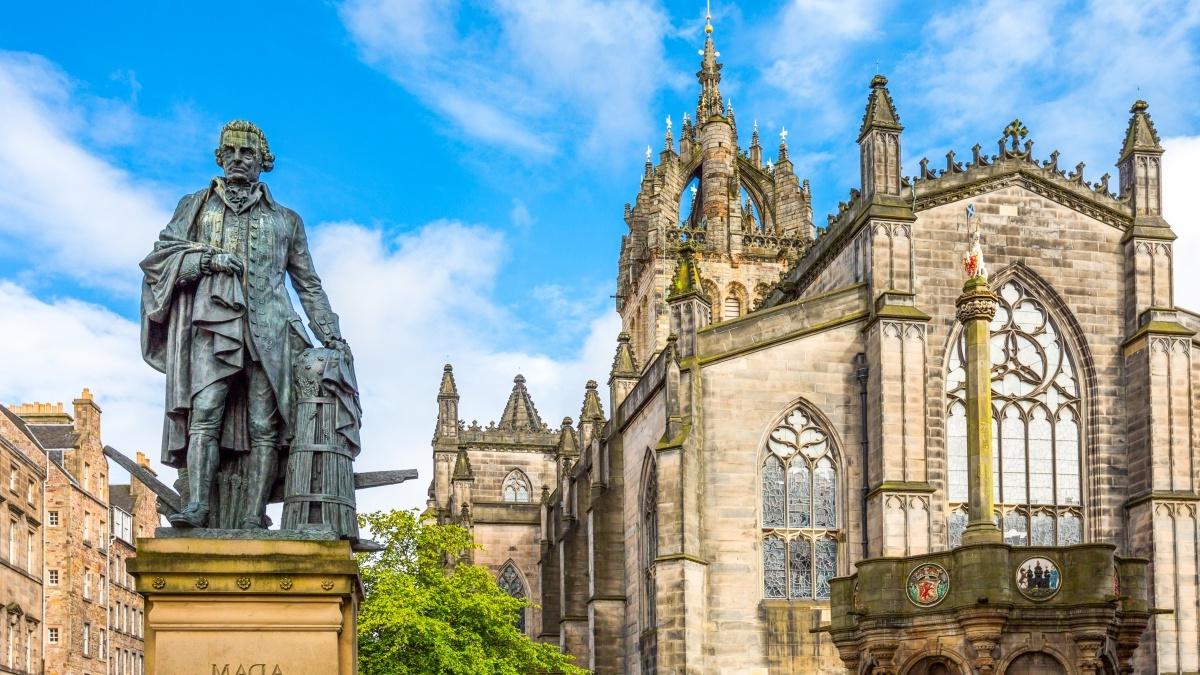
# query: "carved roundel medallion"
[928,585]
[1038,578]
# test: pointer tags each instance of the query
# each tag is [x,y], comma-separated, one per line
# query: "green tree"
[422,616]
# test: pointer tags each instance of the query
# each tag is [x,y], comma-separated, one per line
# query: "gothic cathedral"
[786,401]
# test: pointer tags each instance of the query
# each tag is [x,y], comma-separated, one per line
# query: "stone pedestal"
[248,606]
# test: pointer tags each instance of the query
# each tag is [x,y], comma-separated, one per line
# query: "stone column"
[976,307]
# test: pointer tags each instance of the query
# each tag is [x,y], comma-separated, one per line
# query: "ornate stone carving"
[285,583]
[159,583]
[976,307]
[201,583]
[243,583]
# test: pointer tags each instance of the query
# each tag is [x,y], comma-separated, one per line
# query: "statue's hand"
[227,263]
[341,346]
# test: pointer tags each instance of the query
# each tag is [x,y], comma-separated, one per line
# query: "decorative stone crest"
[1038,578]
[928,585]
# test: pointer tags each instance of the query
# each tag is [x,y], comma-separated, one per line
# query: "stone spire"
[976,308]
[447,422]
[755,147]
[624,373]
[709,75]
[879,144]
[1140,166]
[568,446]
[624,361]
[880,112]
[687,275]
[519,412]
[462,466]
[591,415]
[689,309]
[1140,135]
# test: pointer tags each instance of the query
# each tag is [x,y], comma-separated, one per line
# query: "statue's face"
[241,156]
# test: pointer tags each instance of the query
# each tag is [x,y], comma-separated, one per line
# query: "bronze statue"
[218,321]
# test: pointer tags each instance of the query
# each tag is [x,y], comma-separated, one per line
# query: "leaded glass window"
[1036,442]
[649,545]
[516,487]
[799,488]
[510,581]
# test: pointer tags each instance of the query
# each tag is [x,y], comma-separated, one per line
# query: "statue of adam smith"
[217,320]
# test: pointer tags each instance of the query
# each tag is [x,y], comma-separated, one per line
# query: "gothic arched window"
[516,487]
[1036,442]
[799,488]
[649,545]
[510,581]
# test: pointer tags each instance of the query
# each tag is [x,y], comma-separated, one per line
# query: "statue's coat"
[199,328]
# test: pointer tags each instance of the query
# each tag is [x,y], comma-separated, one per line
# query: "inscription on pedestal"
[243,669]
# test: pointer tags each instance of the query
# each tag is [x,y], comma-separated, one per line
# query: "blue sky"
[462,166]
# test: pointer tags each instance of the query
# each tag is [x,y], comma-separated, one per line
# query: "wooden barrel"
[318,491]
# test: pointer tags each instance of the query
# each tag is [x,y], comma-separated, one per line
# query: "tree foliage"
[421,615]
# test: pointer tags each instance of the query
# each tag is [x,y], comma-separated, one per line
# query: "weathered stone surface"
[255,605]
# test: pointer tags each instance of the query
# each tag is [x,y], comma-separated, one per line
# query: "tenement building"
[789,401]
[22,476]
[92,621]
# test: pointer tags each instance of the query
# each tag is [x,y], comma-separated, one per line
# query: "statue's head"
[243,152]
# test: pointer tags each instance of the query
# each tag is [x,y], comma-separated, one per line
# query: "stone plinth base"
[252,607]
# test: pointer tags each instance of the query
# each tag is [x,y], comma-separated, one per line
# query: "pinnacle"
[448,387]
[687,274]
[1140,136]
[624,362]
[880,112]
[519,412]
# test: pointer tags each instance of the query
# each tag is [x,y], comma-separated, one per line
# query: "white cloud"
[520,217]
[74,213]
[1181,208]
[1069,70]
[534,77]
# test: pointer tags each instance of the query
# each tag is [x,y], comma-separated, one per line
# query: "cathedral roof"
[1140,136]
[881,112]
[519,412]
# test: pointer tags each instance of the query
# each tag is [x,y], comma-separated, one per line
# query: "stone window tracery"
[798,487]
[1036,440]
[511,583]
[649,546]
[516,487]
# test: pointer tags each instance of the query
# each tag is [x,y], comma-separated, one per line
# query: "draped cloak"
[200,328]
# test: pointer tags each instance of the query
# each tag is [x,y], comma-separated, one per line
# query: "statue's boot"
[261,479]
[202,467]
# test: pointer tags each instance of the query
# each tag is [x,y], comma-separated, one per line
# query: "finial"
[668,122]
[783,134]
[708,17]
[648,151]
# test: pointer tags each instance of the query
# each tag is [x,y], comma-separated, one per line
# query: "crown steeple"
[710,102]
